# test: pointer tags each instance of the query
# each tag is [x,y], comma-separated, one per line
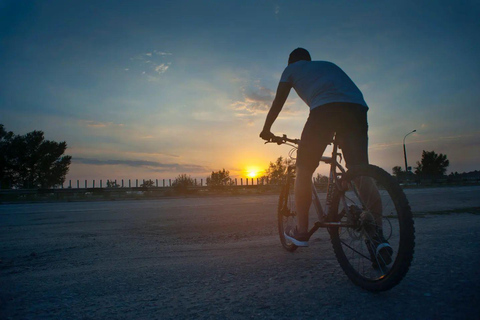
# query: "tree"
[399,173]
[220,178]
[112,184]
[5,154]
[277,170]
[320,179]
[321,182]
[30,161]
[432,165]
[148,184]
[182,182]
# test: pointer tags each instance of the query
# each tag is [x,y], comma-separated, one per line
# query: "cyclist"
[336,106]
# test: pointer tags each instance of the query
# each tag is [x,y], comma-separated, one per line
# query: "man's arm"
[283,90]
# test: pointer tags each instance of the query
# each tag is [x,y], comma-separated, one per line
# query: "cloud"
[468,139]
[97,124]
[157,166]
[255,101]
[162,68]
[150,64]
[100,152]
[160,53]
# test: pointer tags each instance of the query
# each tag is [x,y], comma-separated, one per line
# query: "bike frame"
[336,169]
[321,213]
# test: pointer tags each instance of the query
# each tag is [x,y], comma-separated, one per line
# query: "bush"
[182,182]
[112,184]
[219,179]
[148,184]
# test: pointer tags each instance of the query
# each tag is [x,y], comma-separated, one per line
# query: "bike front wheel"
[375,242]
[286,213]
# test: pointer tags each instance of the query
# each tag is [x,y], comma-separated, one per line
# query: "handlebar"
[281,140]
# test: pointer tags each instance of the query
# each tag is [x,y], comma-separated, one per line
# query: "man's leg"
[303,197]
[354,143]
[316,135]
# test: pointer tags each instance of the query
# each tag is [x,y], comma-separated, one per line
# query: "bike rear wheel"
[286,213]
[367,216]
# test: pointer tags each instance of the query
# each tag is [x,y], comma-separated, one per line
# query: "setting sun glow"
[253,172]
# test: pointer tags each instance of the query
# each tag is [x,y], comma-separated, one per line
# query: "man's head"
[299,54]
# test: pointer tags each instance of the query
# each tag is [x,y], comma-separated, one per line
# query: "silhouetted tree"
[112,184]
[182,182]
[220,178]
[321,182]
[148,184]
[320,179]
[399,173]
[30,161]
[5,155]
[402,175]
[277,170]
[432,165]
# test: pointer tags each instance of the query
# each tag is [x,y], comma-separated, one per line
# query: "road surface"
[220,258]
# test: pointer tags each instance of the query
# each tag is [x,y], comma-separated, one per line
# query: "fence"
[159,183]
[137,189]
[136,183]
[128,188]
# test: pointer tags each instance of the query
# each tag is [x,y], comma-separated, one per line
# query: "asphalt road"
[219,258]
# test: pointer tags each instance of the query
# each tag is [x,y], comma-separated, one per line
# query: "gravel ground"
[219,257]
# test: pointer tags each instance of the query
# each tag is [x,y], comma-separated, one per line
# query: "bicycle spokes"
[376,230]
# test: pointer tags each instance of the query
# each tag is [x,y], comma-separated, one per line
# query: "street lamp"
[405,150]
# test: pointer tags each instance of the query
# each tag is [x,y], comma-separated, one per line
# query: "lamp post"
[405,150]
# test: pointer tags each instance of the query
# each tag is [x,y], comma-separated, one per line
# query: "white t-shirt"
[321,82]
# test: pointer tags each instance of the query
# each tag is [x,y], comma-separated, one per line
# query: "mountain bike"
[359,206]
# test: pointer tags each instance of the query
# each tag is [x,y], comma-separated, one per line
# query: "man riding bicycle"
[337,108]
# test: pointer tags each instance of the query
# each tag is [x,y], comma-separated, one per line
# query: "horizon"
[155,89]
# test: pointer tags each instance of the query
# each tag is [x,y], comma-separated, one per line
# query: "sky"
[153,89]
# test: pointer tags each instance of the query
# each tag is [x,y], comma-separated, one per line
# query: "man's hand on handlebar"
[267,135]
[270,137]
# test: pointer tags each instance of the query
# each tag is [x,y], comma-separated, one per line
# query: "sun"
[253,172]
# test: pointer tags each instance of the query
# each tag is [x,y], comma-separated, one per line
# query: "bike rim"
[359,243]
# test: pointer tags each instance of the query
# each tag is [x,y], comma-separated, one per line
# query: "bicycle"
[360,205]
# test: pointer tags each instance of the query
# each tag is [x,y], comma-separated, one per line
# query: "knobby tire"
[347,247]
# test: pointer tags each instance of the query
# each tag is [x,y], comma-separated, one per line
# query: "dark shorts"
[348,121]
